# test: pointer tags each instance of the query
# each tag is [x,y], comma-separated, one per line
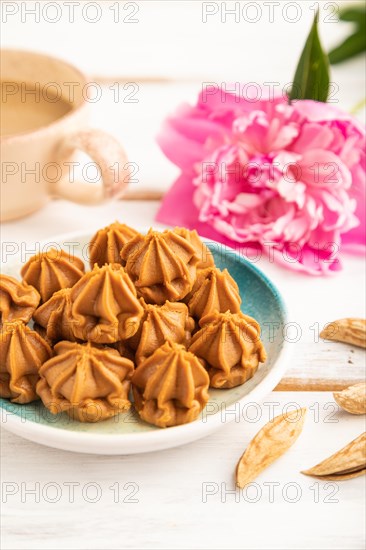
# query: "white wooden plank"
[184,495]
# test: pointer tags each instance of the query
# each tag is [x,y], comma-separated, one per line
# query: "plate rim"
[159,438]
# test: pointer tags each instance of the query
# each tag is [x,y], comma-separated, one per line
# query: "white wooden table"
[185,498]
[182,498]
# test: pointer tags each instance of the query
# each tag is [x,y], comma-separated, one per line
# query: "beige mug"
[44,123]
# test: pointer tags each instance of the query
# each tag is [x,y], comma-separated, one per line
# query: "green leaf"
[352,46]
[311,80]
[354,15]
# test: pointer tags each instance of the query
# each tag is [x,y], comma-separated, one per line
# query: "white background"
[171,42]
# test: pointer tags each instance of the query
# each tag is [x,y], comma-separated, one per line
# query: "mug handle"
[111,159]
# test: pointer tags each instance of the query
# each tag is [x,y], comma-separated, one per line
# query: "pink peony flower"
[289,179]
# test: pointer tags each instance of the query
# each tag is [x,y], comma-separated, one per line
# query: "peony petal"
[313,136]
[320,168]
[309,261]
[266,171]
[355,239]
[314,111]
[292,191]
[179,146]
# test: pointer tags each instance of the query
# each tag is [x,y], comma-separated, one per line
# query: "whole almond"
[349,330]
[341,477]
[352,399]
[271,442]
[346,463]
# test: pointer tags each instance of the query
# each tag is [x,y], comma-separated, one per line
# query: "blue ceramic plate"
[126,433]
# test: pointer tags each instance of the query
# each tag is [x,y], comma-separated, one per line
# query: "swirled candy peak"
[203,252]
[22,352]
[106,245]
[88,381]
[170,387]
[214,290]
[52,270]
[161,265]
[171,321]
[105,308]
[55,316]
[17,300]
[231,346]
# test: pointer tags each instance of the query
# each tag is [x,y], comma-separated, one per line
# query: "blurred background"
[148,56]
